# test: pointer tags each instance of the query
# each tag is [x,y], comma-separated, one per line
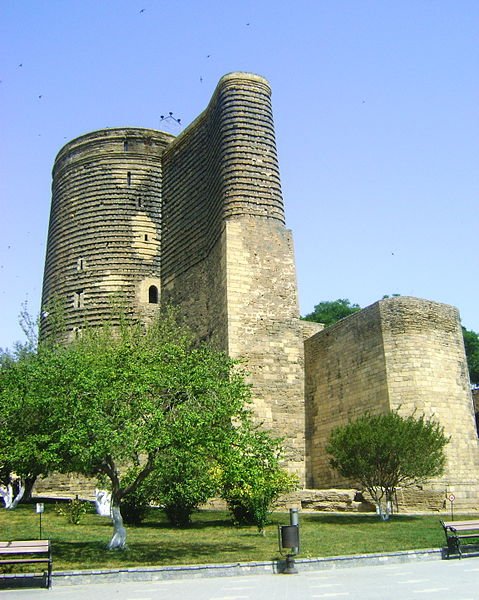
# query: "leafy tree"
[471,344]
[252,478]
[113,400]
[28,444]
[184,478]
[245,470]
[331,311]
[386,451]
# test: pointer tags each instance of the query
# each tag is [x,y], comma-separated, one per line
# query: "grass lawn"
[213,539]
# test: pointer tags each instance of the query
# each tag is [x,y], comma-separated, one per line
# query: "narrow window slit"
[78,299]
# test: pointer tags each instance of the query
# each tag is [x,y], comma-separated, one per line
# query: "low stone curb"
[61,578]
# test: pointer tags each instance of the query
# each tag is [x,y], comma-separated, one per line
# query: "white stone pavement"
[435,580]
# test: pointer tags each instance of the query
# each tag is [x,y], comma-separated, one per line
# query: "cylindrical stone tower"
[103,249]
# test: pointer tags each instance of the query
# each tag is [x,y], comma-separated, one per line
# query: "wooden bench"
[27,552]
[458,532]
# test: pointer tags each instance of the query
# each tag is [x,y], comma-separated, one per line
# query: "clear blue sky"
[376,109]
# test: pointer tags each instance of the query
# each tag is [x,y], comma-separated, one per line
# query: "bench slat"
[11,561]
[22,542]
[456,524]
[24,550]
[25,546]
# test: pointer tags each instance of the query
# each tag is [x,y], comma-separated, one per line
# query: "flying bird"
[142,10]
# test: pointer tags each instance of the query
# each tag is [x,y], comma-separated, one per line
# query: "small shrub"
[73,510]
[252,478]
[134,507]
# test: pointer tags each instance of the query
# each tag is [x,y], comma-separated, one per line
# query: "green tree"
[252,478]
[244,469]
[471,344]
[184,478]
[28,441]
[329,312]
[386,451]
[113,399]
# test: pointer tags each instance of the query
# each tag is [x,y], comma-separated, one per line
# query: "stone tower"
[140,217]
[227,257]
[104,234]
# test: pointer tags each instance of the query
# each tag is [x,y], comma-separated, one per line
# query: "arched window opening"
[125,145]
[153,294]
[128,178]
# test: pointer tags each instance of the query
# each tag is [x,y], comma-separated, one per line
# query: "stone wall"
[345,377]
[400,353]
[223,166]
[264,328]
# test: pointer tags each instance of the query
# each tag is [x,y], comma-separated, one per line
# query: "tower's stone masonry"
[264,328]
[105,225]
[227,258]
[400,354]
[345,377]
[427,372]
[141,218]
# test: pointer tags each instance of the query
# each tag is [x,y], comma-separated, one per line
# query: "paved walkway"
[425,580]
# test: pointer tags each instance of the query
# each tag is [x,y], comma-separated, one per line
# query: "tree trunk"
[384,508]
[18,496]
[7,495]
[384,515]
[118,541]
[29,483]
